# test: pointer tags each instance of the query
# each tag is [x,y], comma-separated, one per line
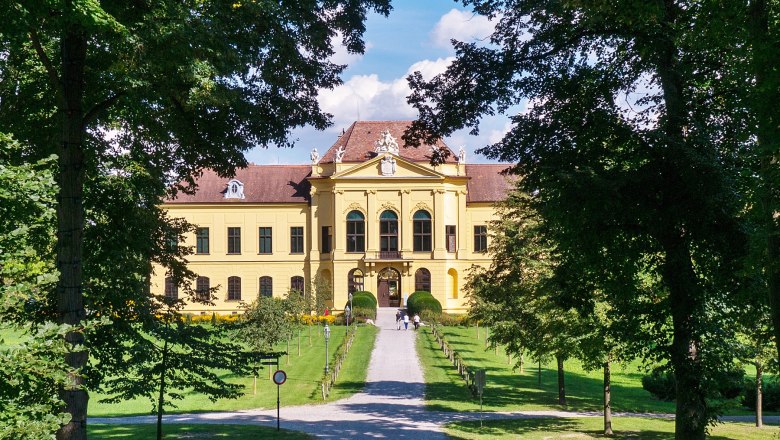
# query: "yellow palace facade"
[366,215]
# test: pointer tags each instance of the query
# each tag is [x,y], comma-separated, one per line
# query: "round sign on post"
[280,377]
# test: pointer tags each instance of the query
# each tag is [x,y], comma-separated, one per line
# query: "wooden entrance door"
[384,293]
[388,288]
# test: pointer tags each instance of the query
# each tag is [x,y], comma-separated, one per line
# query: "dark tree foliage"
[631,141]
[152,91]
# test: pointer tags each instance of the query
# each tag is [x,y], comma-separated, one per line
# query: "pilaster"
[372,232]
[439,247]
[462,228]
[405,226]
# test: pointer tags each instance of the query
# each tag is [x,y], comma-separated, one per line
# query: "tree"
[177,357]
[32,369]
[182,86]
[641,191]
[517,294]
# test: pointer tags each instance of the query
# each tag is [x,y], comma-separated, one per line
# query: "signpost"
[279,378]
[479,380]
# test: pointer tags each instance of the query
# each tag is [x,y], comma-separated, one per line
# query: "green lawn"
[591,427]
[511,390]
[175,431]
[302,387]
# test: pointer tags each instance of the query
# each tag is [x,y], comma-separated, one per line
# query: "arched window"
[234,288]
[422,280]
[355,281]
[266,286]
[202,289]
[422,231]
[388,232]
[296,283]
[171,288]
[356,232]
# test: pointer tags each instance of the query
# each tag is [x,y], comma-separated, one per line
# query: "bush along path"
[391,405]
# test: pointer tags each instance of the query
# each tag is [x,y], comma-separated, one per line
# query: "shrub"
[449,319]
[770,398]
[723,385]
[363,300]
[423,303]
[660,383]
[364,313]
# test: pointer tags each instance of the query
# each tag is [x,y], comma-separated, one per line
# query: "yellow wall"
[353,186]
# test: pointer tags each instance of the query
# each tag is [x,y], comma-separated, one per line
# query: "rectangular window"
[480,238]
[452,242]
[327,239]
[234,289]
[202,241]
[356,236]
[234,241]
[422,236]
[296,239]
[172,241]
[266,286]
[266,240]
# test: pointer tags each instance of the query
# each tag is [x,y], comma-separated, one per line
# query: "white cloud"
[462,26]
[495,135]
[342,55]
[374,99]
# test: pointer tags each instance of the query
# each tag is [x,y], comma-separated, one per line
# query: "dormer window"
[235,190]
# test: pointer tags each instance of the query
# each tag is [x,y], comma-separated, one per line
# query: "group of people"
[402,317]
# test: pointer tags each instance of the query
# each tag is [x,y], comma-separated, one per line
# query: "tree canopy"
[134,96]
[631,141]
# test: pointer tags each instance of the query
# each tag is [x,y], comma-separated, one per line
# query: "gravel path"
[390,406]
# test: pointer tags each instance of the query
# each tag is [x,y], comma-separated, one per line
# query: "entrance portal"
[388,288]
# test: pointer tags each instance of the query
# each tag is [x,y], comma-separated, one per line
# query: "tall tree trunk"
[539,373]
[765,62]
[607,399]
[561,384]
[759,395]
[70,226]
[685,303]
[161,396]
[685,294]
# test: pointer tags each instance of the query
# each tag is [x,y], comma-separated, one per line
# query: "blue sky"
[414,37]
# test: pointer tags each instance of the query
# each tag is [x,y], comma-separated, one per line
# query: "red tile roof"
[487,184]
[262,184]
[360,137]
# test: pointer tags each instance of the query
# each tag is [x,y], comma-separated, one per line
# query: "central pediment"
[388,166]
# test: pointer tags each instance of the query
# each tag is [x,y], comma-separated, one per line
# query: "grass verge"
[303,379]
[591,428]
[176,431]
[509,390]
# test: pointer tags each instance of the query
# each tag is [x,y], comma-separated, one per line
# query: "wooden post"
[254,384]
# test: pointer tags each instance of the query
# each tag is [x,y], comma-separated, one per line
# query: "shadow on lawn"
[563,428]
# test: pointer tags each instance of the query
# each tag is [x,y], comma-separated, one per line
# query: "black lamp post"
[327,338]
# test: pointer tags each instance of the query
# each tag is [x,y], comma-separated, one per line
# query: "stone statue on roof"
[340,154]
[386,143]
[462,156]
[315,155]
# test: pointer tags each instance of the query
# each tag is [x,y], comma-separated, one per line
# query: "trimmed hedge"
[424,304]
[363,305]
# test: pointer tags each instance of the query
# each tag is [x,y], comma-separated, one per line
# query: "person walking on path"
[406,321]
[398,319]
[416,321]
